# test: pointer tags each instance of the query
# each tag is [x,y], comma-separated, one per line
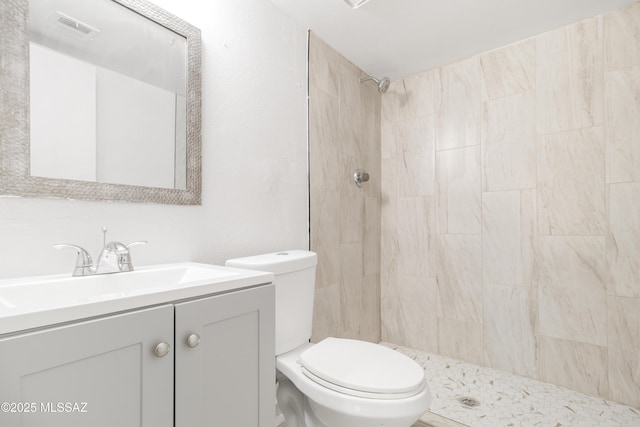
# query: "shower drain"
[468,402]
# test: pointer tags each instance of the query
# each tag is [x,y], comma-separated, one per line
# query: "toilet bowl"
[336,382]
[349,383]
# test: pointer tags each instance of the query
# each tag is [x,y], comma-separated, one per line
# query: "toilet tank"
[295,277]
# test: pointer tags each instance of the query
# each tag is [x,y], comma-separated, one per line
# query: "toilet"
[336,382]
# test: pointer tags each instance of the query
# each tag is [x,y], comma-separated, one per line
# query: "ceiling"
[396,38]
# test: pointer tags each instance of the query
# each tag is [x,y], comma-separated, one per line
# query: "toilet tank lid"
[276,262]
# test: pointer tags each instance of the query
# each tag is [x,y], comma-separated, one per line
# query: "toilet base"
[300,411]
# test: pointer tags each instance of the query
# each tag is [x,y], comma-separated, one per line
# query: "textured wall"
[511,208]
[344,135]
[254,186]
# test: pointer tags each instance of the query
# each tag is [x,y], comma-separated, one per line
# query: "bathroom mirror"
[100,100]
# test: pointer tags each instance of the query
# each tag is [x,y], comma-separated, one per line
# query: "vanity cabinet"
[228,377]
[218,368]
[98,373]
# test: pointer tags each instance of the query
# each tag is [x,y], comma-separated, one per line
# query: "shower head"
[383,83]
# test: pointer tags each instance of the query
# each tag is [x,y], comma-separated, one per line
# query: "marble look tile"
[573,299]
[458,120]
[388,194]
[624,350]
[352,200]
[327,321]
[458,191]
[388,134]
[622,37]
[509,70]
[371,244]
[323,139]
[577,366]
[569,77]
[508,237]
[393,101]
[422,93]
[323,65]
[325,234]
[622,127]
[571,187]
[416,239]
[420,325]
[509,143]
[461,340]
[416,156]
[351,114]
[459,283]
[391,314]
[351,289]
[370,323]
[623,240]
[509,330]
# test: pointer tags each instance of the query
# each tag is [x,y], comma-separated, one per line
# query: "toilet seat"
[362,369]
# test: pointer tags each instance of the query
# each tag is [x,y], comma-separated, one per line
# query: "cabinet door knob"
[193,340]
[162,349]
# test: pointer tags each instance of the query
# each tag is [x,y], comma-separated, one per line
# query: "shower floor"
[508,400]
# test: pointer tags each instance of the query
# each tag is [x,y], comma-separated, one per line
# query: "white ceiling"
[396,38]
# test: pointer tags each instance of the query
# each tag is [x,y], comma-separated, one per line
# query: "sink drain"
[468,402]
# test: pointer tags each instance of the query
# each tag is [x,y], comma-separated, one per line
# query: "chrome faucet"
[114,258]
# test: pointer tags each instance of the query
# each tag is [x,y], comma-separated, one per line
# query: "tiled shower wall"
[511,208]
[344,135]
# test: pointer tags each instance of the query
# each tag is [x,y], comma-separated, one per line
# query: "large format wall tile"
[509,143]
[325,235]
[509,70]
[344,135]
[460,340]
[416,156]
[569,77]
[327,321]
[623,240]
[624,350]
[351,288]
[573,298]
[459,283]
[417,297]
[324,66]
[458,121]
[622,37]
[458,191]
[622,129]
[323,138]
[508,237]
[416,237]
[571,187]
[509,330]
[578,366]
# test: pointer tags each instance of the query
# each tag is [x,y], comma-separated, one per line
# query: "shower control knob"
[162,349]
[360,176]
[193,340]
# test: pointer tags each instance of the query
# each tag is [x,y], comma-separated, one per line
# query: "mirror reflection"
[108,95]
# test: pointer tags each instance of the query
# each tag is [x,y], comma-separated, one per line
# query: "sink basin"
[44,300]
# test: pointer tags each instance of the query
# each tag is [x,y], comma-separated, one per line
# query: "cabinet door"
[98,373]
[228,379]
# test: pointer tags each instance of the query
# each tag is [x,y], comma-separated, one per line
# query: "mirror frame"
[15,178]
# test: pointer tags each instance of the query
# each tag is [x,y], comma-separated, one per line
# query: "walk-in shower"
[383,83]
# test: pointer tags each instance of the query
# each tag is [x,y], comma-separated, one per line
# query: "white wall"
[254,159]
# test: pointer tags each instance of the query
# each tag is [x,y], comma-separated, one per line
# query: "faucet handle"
[84,263]
[124,262]
[138,243]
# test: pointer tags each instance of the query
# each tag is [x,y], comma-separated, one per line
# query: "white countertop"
[38,301]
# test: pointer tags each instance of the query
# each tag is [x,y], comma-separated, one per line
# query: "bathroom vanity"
[182,345]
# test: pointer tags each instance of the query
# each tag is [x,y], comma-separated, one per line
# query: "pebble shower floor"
[507,400]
